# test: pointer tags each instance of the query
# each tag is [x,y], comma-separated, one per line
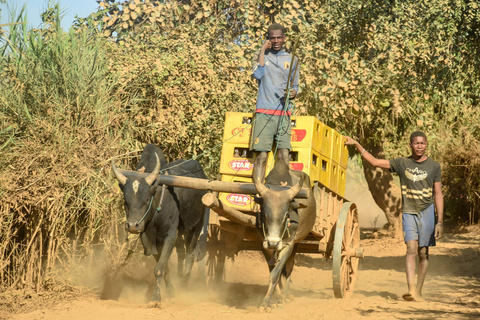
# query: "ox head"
[138,193]
[276,209]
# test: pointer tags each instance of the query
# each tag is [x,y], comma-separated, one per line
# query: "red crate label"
[242,132]
[239,199]
[240,165]
[298,134]
[296,166]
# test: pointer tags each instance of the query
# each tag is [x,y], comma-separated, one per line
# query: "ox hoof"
[155,304]
[265,309]
[170,292]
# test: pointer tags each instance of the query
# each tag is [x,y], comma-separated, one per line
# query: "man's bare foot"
[408,297]
[419,298]
[411,297]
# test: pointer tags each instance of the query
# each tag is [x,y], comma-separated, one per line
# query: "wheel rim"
[346,251]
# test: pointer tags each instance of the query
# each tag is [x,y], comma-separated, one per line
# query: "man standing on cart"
[420,179]
[272,116]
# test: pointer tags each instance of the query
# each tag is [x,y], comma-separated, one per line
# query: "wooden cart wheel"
[346,251]
[216,255]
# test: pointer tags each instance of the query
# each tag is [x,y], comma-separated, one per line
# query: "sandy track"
[452,290]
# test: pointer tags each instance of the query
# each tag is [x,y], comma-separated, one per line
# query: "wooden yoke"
[219,186]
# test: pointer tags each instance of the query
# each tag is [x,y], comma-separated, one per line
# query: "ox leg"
[271,258]
[161,268]
[275,274]
[168,283]
[191,240]
[287,272]
[180,247]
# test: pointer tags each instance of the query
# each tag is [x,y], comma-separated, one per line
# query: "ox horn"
[153,176]
[121,178]
[293,191]
[261,188]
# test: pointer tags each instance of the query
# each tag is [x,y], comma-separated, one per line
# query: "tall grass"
[58,131]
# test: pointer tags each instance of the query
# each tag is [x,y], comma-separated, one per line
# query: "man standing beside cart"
[420,179]
[275,74]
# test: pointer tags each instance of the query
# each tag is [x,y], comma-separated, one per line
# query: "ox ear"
[293,191]
[258,200]
[154,187]
[296,205]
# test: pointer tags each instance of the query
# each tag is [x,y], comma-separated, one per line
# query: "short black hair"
[417,134]
[276,26]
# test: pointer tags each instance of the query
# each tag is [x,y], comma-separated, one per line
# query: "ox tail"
[201,247]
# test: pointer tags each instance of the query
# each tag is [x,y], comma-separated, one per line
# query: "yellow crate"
[343,153]
[336,142]
[306,132]
[238,127]
[326,138]
[334,172]
[243,202]
[317,150]
[307,160]
[237,159]
[324,168]
[342,178]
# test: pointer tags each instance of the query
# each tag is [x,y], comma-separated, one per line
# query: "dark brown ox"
[157,212]
[282,223]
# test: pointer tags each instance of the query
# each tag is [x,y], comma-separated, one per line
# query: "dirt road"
[452,290]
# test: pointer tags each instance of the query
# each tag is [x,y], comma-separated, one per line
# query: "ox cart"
[316,150]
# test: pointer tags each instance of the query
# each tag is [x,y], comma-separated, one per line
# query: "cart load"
[317,150]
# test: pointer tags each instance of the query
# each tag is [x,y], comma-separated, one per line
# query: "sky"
[70,8]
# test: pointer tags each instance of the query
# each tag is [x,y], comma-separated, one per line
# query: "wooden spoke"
[345,257]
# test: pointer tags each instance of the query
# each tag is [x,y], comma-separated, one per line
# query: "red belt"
[273,112]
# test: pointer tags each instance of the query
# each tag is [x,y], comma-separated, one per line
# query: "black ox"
[282,223]
[159,213]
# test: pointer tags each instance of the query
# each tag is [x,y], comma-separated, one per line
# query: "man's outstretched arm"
[380,163]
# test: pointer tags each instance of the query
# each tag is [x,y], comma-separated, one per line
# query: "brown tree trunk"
[386,194]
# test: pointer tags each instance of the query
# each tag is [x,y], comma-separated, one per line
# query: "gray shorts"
[420,227]
[268,128]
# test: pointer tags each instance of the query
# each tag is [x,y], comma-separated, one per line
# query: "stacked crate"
[236,163]
[317,150]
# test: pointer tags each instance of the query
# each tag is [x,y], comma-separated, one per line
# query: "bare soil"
[452,289]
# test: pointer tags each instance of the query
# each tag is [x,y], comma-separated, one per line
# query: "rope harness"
[150,205]
[161,198]
[285,229]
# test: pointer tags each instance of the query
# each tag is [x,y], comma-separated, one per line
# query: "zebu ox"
[157,213]
[282,223]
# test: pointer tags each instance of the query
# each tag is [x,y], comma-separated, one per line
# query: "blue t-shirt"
[273,77]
